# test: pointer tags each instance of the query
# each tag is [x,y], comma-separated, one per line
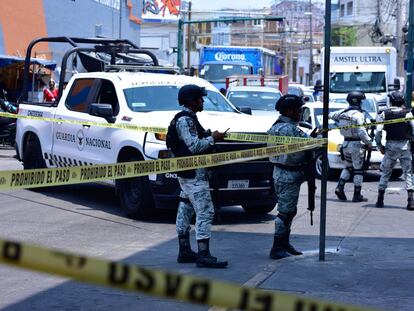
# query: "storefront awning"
[6,60]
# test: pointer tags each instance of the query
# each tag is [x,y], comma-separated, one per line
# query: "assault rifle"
[310,174]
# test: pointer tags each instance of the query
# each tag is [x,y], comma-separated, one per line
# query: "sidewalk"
[374,264]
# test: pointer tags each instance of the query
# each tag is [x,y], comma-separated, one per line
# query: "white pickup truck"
[148,99]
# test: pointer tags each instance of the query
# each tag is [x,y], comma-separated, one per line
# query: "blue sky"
[235,4]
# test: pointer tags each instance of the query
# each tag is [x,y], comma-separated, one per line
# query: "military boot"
[410,204]
[380,200]
[278,250]
[339,191]
[289,247]
[185,254]
[204,258]
[358,196]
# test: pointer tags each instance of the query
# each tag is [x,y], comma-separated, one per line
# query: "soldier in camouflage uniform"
[287,174]
[397,146]
[352,148]
[187,137]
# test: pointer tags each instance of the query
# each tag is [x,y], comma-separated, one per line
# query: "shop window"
[342,10]
[350,8]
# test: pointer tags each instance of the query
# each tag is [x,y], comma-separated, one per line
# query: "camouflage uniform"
[352,146]
[195,192]
[287,182]
[395,150]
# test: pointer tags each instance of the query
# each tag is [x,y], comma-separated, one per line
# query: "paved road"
[369,259]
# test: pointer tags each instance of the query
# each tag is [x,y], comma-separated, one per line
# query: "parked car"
[260,99]
[313,117]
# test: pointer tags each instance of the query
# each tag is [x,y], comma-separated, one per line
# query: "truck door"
[77,144]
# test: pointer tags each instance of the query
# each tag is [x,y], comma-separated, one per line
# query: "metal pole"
[120,19]
[189,38]
[180,45]
[291,56]
[409,84]
[310,45]
[398,38]
[326,78]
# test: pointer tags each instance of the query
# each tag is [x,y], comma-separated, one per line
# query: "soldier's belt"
[158,282]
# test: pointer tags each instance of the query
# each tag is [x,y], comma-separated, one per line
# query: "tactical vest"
[177,146]
[346,118]
[396,131]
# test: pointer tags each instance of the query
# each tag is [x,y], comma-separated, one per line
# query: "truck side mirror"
[395,86]
[397,83]
[246,110]
[102,110]
[305,125]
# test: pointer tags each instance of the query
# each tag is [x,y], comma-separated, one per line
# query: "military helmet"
[397,98]
[355,98]
[289,100]
[190,92]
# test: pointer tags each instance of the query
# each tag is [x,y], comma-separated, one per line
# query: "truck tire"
[32,154]
[332,173]
[258,209]
[135,194]
[396,173]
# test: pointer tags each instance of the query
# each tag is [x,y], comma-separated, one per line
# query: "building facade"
[22,21]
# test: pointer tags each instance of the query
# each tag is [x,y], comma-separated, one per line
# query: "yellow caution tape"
[151,129]
[271,139]
[375,123]
[15,179]
[158,282]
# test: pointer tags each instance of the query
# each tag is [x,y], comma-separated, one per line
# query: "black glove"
[316,131]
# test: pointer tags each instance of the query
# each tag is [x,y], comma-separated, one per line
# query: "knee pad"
[286,217]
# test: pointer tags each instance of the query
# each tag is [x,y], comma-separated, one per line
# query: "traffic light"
[405,33]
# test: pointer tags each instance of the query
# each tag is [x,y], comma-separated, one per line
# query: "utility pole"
[189,38]
[398,39]
[291,55]
[120,19]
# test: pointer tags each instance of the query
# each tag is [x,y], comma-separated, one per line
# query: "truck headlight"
[332,146]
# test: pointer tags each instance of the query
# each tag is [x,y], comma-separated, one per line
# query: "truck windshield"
[219,72]
[368,82]
[164,98]
[254,100]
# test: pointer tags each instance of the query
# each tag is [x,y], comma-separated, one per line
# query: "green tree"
[344,36]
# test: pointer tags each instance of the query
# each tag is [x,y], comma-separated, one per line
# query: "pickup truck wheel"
[258,209]
[32,154]
[396,173]
[135,195]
